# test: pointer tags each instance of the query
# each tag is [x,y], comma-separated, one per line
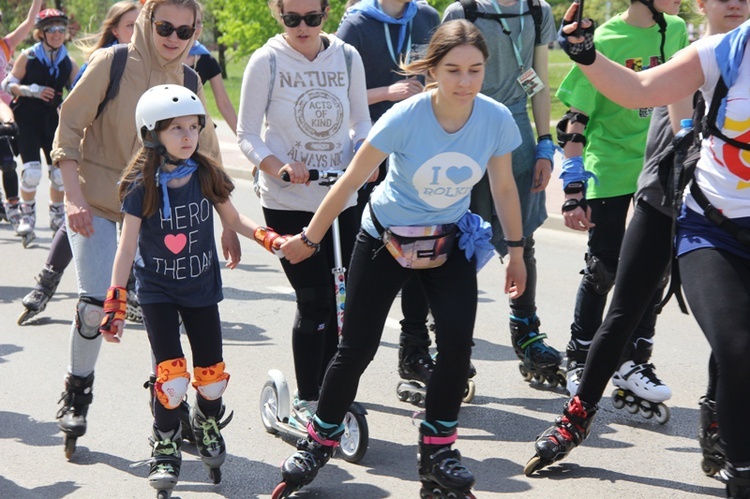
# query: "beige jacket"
[104,146]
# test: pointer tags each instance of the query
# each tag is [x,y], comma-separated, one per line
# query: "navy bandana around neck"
[371,9]
[184,168]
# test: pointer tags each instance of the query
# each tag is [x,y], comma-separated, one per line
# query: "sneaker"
[575,372]
[642,381]
[302,412]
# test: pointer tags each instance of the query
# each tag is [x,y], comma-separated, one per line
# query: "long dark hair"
[216,185]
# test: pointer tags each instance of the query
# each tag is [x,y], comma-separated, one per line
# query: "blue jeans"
[94,257]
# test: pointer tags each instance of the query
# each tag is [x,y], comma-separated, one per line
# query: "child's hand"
[115,308]
[515,277]
[295,250]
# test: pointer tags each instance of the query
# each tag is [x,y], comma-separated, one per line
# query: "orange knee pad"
[172,381]
[211,381]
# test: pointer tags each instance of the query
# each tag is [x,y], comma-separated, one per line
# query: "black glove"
[583,53]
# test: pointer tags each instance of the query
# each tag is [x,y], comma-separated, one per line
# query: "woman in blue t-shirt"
[439,144]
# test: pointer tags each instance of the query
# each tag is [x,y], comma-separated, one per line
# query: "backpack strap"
[709,124]
[348,58]
[535,7]
[272,80]
[190,79]
[115,74]
[472,13]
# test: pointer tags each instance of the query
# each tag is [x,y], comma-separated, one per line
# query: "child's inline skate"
[569,431]
[75,405]
[165,462]
[539,361]
[640,391]
[415,366]
[27,223]
[13,214]
[710,438]
[36,301]
[208,439]
[440,469]
[313,453]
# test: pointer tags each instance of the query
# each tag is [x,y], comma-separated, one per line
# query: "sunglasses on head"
[165,29]
[293,20]
[55,29]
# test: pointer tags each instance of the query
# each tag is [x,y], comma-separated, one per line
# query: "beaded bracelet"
[308,243]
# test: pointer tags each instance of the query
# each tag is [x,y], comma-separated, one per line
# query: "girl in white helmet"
[168,192]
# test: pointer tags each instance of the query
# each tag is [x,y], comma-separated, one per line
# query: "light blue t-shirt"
[431,172]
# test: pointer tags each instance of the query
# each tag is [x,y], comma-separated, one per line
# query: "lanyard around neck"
[506,28]
[407,55]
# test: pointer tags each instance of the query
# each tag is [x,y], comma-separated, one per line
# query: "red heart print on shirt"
[175,243]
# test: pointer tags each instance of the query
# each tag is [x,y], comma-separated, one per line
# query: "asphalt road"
[625,456]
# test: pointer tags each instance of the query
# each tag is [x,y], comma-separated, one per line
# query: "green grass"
[559,65]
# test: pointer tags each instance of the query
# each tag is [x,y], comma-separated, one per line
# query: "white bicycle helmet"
[163,102]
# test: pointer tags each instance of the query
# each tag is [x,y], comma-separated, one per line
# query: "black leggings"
[717,287]
[374,281]
[203,328]
[644,259]
[315,330]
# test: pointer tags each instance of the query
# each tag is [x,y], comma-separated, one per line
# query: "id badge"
[530,82]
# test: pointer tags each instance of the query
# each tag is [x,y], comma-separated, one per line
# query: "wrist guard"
[266,237]
[583,53]
[115,309]
[572,204]
[563,137]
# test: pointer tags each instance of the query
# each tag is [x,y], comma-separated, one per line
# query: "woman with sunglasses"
[91,151]
[37,81]
[307,89]
[8,44]
[117,28]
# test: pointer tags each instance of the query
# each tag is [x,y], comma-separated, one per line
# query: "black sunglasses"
[165,29]
[293,20]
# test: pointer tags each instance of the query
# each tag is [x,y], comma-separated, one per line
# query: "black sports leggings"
[315,329]
[717,287]
[644,258]
[374,280]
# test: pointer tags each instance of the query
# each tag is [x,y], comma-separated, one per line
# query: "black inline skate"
[440,469]
[165,462]
[75,405]
[710,438]
[184,411]
[569,431]
[539,361]
[211,447]
[313,453]
[36,301]
[737,479]
[415,366]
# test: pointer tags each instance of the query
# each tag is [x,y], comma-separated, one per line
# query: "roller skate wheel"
[215,475]
[661,414]
[562,380]
[709,467]
[25,315]
[552,381]
[70,447]
[282,490]
[524,372]
[535,463]
[403,395]
[631,405]
[471,389]
[617,399]
[417,399]
[538,378]
[164,494]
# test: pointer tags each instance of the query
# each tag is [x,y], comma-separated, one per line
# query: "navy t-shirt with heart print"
[176,260]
